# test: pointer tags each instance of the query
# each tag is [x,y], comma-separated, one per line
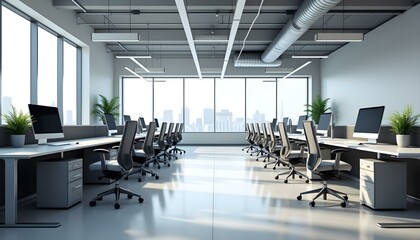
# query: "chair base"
[292,174]
[324,191]
[177,150]
[142,172]
[117,190]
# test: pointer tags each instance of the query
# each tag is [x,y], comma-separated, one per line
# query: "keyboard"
[61,143]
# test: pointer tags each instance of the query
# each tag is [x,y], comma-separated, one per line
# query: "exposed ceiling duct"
[253,59]
[307,14]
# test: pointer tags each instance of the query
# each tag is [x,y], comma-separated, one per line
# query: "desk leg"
[11,199]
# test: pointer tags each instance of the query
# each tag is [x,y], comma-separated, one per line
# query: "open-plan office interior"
[216,68]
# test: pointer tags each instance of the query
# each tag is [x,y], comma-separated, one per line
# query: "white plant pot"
[17,140]
[403,140]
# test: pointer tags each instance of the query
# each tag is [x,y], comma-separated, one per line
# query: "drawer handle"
[76,165]
[77,175]
[78,186]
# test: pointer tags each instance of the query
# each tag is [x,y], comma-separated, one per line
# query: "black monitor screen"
[273,123]
[157,122]
[45,119]
[110,121]
[300,122]
[127,118]
[324,121]
[369,120]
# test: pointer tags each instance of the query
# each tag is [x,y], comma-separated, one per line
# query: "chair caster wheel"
[299,197]
[139,180]
[168,165]
[300,177]
[256,159]
[126,178]
[285,181]
[312,204]
[274,168]
[265,166]
[117,206]
[158,167]
[141,200]
[129,196]
[343,204]
[346,198]
[143,174]
[92,203]
[277,178]
[156,177]
[307,181]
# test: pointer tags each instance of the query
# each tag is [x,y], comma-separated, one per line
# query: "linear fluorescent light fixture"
[310,56]
[152,70]
[137,75]
[115,37]
[79,6]
[188,33]
[338,37]
[211,39]
[297,69]
[278,70]
[134,56]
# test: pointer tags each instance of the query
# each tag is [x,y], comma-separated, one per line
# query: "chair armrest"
[115,147]
[339,150]
[101,150]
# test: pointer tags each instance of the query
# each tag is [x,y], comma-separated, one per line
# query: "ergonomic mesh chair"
[323,168]
[116,169]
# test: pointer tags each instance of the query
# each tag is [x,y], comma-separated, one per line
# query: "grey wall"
[97,64]
[381,70]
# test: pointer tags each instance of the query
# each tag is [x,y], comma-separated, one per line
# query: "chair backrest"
[248,133]
[257,137]
[148,141]
[139,125]
[181,128]
[252,130]
[314,152]
[125,150]
[161,138]
[266,140]
[157,122]
[286,146]
[175,133]
[169,134]
[273,140]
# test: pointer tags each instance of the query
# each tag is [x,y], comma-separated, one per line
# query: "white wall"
[97,64]
[384,69]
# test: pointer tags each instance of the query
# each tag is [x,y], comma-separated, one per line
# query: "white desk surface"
[381,148]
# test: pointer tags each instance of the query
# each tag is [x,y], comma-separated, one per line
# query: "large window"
[168,100]
[69,84]
[199,105]
[138,98]
[292,97]
[15,79]
[47,68]
[260,99]
[230,105]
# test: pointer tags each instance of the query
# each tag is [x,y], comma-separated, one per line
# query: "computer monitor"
[110,124]
[325,121]
[286,123]
[157,122]
[368,123]
[46,123]
[299,127]
[126,118]
[142,122]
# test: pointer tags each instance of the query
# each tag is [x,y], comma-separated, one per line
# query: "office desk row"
[11,156]
[379,149]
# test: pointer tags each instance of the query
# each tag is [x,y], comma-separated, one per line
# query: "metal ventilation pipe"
[253,59]
[307,14]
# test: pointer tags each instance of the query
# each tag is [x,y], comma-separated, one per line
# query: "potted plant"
[17,123]
[106,106]
[318,107]
[402,125]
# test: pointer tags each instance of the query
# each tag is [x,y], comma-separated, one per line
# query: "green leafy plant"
[106,106]
[404,122]
[318,107]
[17,122]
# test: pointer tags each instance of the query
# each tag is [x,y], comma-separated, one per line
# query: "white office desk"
[11,156]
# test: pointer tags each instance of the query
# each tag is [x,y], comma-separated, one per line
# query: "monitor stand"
[42,141]
[371,141]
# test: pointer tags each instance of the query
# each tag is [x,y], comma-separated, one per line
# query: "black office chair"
[248,137]
[321,167]
[293,157]
[177,137]
[116,169]
[145,154]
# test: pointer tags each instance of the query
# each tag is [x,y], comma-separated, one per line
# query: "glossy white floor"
[216,193]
